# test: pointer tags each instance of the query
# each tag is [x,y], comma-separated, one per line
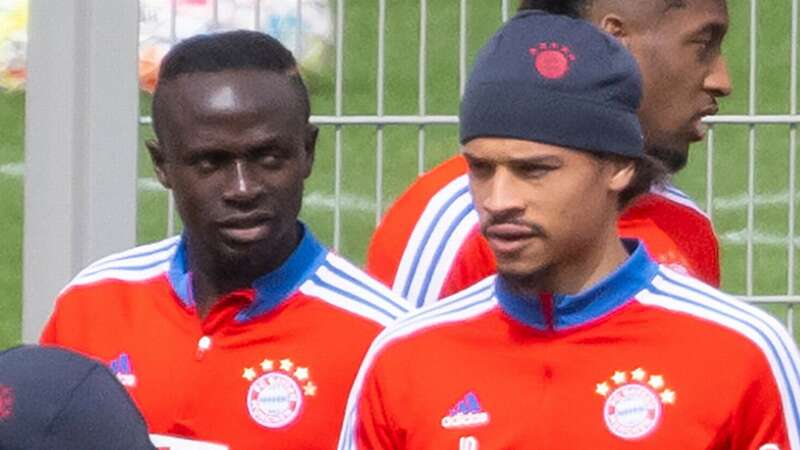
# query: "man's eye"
[208,163]
[534,170]
[477,168]
[705,48]
[269,160]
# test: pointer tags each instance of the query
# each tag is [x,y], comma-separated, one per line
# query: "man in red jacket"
[428,245]
[581,340]
[244,331]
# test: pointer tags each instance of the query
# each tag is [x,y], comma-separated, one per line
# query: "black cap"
[556,80]
[52,398]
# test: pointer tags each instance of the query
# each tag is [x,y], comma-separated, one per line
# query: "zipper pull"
[202,347]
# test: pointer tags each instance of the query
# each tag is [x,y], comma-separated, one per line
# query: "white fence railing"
[787,299]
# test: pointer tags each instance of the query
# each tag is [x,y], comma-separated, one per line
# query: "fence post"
[80,143]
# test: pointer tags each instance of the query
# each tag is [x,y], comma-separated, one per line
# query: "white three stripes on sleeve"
[684,294]
[341,284]
[139,263]
[441,230]
[469,303]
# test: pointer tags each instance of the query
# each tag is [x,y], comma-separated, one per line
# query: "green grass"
[11,136]
[401,143]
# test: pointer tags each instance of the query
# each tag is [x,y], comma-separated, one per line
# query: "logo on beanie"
[552,60]
[6,402]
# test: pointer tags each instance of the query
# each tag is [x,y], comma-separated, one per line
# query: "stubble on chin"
[673,158]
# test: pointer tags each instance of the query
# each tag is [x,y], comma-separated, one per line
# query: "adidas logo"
[466,413]
[121,367]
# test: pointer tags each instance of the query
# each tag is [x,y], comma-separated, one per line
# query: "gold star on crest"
[301,373]
[267,365]
[638,374]
[602,389]
[286,365]
[249,374]
[656,382]
[310,389]
[668,396]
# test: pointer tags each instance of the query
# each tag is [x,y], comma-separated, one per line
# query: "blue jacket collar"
[271,288]
[569,311]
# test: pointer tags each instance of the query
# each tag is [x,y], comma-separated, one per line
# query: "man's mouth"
[699,127]
[245,228]
[507,238]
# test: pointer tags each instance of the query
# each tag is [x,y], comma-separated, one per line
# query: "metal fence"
[785,300]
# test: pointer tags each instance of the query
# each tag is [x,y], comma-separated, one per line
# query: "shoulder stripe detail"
[139,263]
[671,189]
[428,221]
[676,292]
[138,251]
[316,288]
[434,214]
[333,286]
[136,256]
[458,215]
[130,264]
[457,308]
[348,271]
[122,275]
[674,194]
[476,290]
[445,253]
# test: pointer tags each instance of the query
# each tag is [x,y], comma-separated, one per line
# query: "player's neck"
[208,286]
[214,276]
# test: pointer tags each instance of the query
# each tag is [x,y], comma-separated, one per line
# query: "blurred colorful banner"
[160,27]
[13,37]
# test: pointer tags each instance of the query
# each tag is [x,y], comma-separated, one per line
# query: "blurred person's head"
[678,46]
[234,144]
[54,399]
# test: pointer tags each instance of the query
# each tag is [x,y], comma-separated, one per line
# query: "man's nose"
[502,194]
[718,81]
[243,183]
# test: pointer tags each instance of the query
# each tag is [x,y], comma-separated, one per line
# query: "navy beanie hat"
[556,80]
[54,399]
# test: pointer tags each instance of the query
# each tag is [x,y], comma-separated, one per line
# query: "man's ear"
[622,175]
[312,132]
[159,161]
[614,25]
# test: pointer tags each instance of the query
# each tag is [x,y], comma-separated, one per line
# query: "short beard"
[240,270]
[673,159]
[229,270]
[525,284]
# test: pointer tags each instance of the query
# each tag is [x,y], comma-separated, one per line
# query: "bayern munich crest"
[634,403]
[275,397]
[552,60]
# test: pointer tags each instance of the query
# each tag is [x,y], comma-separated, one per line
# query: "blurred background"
[385,78]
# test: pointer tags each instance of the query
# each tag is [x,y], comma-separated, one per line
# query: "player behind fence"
[582,340]
[244,330]
[429,246]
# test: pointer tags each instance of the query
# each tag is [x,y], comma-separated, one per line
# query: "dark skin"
[679,49]
[235,148]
